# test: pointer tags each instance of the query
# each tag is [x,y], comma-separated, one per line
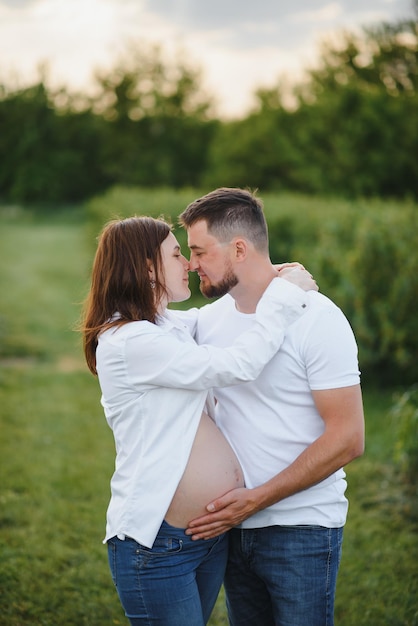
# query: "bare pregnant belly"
[212,470]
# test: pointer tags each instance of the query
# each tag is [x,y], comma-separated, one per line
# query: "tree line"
[351,128]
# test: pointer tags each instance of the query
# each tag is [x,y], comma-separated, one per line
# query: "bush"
[383,270]
[362,254]
[405,414]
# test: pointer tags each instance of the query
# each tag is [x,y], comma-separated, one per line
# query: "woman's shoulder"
[123,332]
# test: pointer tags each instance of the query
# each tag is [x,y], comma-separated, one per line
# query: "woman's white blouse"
[154,380]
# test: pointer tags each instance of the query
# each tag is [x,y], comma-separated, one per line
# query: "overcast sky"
[239,44]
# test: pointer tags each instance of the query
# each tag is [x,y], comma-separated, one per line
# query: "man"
[293,429]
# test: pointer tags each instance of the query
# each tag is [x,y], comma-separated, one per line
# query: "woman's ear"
[151,273]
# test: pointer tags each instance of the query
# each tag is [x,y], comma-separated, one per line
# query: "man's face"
[211,260]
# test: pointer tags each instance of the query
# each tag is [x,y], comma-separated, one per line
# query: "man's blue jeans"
[175,583]
[282,575]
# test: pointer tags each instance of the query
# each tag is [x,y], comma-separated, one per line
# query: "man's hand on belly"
[223,514]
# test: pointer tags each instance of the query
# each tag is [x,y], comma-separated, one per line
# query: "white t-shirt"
[154,381]
[270,421]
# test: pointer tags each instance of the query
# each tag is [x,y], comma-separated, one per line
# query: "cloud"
[325,13]
[72,37]
[217,13]
[236,15]
[16,4]
[239,45]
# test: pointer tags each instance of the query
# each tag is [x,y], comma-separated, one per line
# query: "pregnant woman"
[171,459]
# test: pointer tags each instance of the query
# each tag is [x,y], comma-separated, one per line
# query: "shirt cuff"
[293,299]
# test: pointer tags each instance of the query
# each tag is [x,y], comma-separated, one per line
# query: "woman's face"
[176,270]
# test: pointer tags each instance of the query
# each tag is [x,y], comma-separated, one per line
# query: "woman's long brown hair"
[120,280]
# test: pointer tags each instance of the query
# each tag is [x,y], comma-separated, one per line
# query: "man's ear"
[240,249]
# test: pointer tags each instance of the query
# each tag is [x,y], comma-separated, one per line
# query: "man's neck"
[252,284]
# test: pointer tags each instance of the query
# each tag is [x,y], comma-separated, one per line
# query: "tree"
[366,92]
[46,155]
[353,129]
[158,120]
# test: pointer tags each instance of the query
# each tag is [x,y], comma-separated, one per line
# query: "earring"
[152,283]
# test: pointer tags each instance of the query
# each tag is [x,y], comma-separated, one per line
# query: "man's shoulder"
[318,300]
[323,312]
[321,309]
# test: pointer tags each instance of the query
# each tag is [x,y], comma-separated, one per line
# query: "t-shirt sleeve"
[331,353]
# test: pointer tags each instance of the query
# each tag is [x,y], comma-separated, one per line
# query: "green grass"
[378,580]
[57,457]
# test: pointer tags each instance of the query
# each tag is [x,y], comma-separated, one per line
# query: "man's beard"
[216,291]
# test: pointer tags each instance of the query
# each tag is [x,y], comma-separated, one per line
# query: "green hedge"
[405,415]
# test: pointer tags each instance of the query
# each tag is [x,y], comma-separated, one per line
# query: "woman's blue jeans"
[282,575]
[175,583]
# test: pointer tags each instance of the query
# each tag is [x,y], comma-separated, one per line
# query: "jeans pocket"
[162,547]
[219,542]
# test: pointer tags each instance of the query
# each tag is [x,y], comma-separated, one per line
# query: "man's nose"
[193,263]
